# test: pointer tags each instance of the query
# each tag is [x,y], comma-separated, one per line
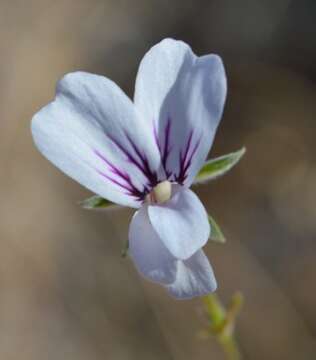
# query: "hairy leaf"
[219,166]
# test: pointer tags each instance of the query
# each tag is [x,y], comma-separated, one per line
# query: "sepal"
[216,232]
[97,202]
[219,166]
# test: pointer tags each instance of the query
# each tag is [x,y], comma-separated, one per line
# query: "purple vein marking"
[121,179]
[185,159]
[165,151]
[141,163]
[151,175]
[139,159]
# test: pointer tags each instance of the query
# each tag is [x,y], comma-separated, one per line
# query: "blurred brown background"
[65,292]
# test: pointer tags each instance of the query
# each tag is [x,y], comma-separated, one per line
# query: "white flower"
[145,154]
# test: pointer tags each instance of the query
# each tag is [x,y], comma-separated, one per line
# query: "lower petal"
[150,256]
[181,223]
[195,277]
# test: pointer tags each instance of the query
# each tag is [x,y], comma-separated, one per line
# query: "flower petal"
[150,256]
[195,277]
[182,96]
[91,132]
[181,223]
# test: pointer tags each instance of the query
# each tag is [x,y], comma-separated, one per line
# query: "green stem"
[222,322]
[230,347]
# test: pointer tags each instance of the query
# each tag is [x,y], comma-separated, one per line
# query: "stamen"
[160,193]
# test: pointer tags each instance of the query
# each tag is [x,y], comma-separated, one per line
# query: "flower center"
[160,193]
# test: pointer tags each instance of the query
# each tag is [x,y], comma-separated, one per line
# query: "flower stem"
[222,322]
[230,348]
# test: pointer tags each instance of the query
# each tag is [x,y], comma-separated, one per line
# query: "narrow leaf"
[97,202]
[216,232]
[125,248]
[219,166]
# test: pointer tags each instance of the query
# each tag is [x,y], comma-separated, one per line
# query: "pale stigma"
[160,193]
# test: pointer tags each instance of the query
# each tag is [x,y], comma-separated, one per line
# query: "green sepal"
[97,202]
[216,232]
[219,166]
[124,251]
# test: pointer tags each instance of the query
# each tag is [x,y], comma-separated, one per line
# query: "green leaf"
[125,248]
[219,166]
[97,202]
[216,232]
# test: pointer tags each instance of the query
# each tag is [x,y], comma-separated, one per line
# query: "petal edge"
[195,277]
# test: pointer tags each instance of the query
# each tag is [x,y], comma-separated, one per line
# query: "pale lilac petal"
[149,254]
[181,223]
[182,96]
[195,277]
[92,133]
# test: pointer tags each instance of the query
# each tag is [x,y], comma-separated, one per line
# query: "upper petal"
[91,132]
[181,223]
[182,96]
[195,277]
[150,256]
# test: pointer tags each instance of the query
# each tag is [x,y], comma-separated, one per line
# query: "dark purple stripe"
[166,149]
[137,157]
[142,163]
[188,161]
[146,170]
[126,152]
[122,179]
[156,138]
[115,181]
[185,160]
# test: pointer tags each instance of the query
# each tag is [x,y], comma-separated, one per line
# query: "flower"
[145,155]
